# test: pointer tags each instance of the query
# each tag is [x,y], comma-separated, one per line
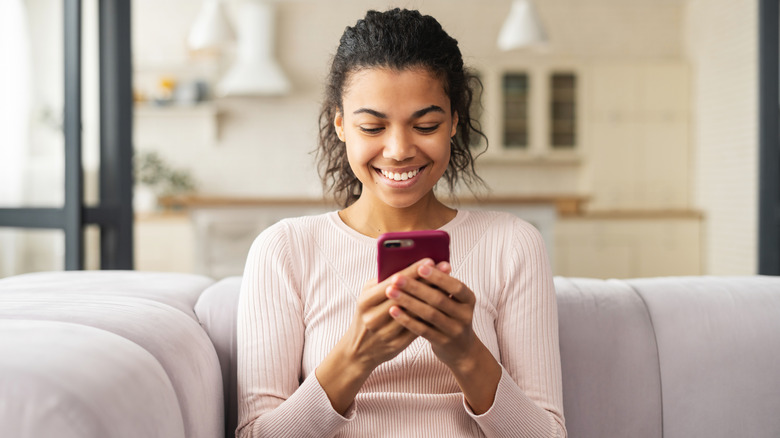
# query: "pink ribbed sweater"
[298,297]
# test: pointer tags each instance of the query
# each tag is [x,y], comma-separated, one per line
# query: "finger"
[444,322]
[411,270]
[417,327]
[377,317]
[393,330]
[444,267]
[370,283]
[405,289]
[447,284]
[372,295]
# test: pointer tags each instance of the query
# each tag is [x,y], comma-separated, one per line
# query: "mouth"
[400,176]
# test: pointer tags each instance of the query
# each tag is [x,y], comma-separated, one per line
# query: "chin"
[402,202]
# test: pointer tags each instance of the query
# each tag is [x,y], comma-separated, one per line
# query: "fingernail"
[399,281]
[395,312]
[425,270]
[393,292]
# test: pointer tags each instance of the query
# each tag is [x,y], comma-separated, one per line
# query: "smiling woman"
[324,348]
[430,52]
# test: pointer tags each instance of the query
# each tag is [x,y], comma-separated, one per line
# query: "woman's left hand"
[439,308]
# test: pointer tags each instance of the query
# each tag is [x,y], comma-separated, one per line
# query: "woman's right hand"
[373,337]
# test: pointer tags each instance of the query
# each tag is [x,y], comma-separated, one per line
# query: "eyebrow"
[416,115]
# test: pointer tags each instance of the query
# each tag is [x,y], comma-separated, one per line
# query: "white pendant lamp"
[211,30]
[255,72]
[522,27]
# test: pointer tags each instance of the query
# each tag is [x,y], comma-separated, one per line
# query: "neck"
[374,218]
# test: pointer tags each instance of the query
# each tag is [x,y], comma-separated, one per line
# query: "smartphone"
[396,251]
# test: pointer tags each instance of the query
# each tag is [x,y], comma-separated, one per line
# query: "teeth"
[400,176]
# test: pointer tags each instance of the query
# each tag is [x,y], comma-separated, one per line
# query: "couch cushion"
[719,351]
[73,381]
[177,290]
[217,310]
[152,310]
[609,360]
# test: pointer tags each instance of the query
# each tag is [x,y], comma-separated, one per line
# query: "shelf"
[204,109]
[204,114]
[506,156]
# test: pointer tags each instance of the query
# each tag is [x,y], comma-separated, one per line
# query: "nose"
[399,146]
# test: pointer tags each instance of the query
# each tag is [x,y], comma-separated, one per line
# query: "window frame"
[114,214]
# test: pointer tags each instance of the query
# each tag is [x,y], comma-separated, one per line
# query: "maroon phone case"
[412,246]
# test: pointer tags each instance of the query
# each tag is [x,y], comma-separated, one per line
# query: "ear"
[454,124]
[338,123]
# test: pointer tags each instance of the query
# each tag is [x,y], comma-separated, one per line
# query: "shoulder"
[284,236]
[504,232]
[289,228]
[500,222]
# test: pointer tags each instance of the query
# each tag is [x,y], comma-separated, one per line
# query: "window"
[515,92]
[114,214]
[563,106]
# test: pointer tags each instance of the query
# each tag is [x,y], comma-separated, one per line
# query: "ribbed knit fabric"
[298,296]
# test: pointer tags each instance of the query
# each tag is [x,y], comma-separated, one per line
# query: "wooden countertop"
[565,204]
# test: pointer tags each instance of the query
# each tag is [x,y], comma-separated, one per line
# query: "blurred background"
[625,130]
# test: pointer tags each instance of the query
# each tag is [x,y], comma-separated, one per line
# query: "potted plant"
[154,177]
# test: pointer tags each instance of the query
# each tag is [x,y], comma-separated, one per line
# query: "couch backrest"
[672,357]
[609,361]
[217,310]
[719,353]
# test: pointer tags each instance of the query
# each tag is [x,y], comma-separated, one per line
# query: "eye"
[371,130]
[427,129]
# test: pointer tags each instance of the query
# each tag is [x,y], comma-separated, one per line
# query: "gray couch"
[96,354]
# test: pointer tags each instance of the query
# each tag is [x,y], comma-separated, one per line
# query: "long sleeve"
[529,401]
[270,334]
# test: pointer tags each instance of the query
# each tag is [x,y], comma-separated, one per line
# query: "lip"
[403,183]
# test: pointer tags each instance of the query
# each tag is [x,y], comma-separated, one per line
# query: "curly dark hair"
[397,39]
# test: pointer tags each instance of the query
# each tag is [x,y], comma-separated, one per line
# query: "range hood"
[255,72]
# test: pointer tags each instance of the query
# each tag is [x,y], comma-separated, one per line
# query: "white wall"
[722,49]
[261,147]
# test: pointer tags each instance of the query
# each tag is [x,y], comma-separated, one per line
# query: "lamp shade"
[522,27]
[211,29]
[255,71]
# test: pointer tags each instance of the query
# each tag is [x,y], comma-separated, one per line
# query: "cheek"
[440,151]
[358,156]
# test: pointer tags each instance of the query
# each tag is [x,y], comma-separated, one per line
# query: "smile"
[403,176]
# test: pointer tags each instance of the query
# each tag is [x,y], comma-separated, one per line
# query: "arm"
[529,395]
[270,336]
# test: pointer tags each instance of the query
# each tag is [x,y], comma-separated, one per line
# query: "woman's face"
[397,127]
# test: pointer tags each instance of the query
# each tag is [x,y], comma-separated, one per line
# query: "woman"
[466,348]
